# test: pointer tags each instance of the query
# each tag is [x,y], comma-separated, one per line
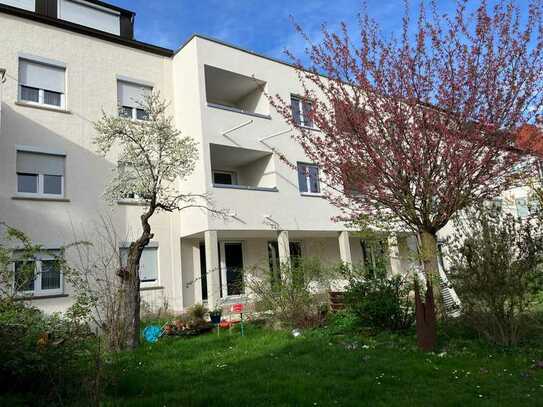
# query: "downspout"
[2,81]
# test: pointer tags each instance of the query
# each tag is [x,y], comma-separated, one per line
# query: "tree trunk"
[131,282]
[426,321]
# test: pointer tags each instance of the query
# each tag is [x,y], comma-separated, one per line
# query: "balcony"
[234,92]
[242,168]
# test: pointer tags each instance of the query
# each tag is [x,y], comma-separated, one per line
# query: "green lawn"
[319,369]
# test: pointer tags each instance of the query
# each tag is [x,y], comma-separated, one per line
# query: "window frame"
[301,121]
[233,175]
[308,180]
[151,246]
[41,180]
[38,291]
[41,92]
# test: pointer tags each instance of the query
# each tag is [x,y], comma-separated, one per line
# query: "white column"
[284,247]
[395,259]
[212,268]
[345,248]
[198,272]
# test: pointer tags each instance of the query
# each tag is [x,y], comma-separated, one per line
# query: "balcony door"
[231,261]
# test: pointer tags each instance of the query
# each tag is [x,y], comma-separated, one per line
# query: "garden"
[295,349]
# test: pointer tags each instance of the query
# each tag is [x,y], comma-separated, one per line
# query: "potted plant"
[215,314]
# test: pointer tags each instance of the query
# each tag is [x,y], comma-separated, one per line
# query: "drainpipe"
[2,81]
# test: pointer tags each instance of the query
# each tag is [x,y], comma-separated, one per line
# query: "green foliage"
[343,321]
[297,298]
[197,312]
[43,355]
[380,301]
[496,270]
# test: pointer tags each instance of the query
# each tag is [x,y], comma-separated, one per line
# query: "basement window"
[235,92]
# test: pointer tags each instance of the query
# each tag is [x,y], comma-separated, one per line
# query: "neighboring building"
[66,62]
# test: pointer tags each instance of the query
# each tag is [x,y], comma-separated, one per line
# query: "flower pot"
[168,329]
[215,319]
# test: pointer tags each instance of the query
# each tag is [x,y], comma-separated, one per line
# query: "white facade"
[58,83]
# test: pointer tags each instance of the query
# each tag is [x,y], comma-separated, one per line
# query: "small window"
[224,178]
[148,263]
[301,109]
[131,99]
[40,174]
[41,83]
[308,178]
[522,207]
[42,276]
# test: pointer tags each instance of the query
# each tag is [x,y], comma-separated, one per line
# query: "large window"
[148,263]
[40,174]
[131,99]
[300,111]
[42,83]
[308,178]
[40,276]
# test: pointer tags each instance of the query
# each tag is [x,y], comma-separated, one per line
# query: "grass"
[270,368]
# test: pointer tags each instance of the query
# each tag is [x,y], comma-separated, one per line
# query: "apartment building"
[65,62]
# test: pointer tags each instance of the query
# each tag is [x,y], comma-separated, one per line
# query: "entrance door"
[231,259]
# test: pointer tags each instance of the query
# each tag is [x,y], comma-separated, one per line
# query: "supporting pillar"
[212,268]
[198,272]
[394,255]
[345,249]
[284,248]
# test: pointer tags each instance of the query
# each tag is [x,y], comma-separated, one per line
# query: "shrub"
[496,271]
[197,312]
[294,297]
[42,355]
[380,301]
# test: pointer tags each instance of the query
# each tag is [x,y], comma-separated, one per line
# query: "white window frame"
[300,101]
[41,181]
[134,113]
[308,180]
[41,184]
[41,92]
[152,245]
[38,291]
[233,174]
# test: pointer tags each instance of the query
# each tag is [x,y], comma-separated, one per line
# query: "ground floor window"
[374,253]
[39,276]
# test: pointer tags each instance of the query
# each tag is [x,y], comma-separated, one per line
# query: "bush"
[380,301]
[42,355]
[296,299]
[496,271]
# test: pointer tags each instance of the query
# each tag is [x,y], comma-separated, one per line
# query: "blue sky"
[260,25]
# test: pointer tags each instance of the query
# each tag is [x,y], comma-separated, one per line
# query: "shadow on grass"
[275,369]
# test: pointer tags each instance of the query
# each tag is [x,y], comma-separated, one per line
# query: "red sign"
[237,308]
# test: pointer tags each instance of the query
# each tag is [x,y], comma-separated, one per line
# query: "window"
[38,277]
[148,263]
[308,178]
[40,174]
[526,206]
[224,178]
[29,5]
[41,83]
[131,99]
[90,15]
[300,111]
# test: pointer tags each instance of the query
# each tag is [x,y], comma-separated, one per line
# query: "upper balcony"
[234,92]
[242,168]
